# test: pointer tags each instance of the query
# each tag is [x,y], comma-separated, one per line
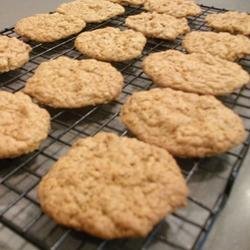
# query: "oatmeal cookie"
[91,11]
[224,45]
[111,44]
[49,27]
[112,187]
[197,73]
[158,25]
[231,21]
[177,8]
[185,124]
[13,53]
[23,125]
[69,83]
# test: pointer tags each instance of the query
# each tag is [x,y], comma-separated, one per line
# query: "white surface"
[241,5]
[232,229]
[13,10]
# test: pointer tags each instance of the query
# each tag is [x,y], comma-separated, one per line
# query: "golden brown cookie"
[177,8]
[158,25]
[111,44]
[49,27]
[231,21]
[128,2]
[69,83]
[23,125]
[224,45]
[197,73]
[91,11]
[185,124]
[13,53]
[112,187]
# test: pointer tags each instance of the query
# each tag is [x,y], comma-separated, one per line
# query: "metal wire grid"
[209,180]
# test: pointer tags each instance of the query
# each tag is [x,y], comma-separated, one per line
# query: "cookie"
[197,73]
[185,124]
[158,25]
[224,45]
[69,83]
[91,11]
[231,21]
[13,53]
[177,8]
[23,125]
[111,44]
[128,2]
[112,187]
[49,27]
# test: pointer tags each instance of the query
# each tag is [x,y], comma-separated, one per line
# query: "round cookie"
[112,187]
[128,2]
[23,125]
[231,21]
[158,25]
[224,45]
[49,27]
[13,53]
[91,11]
[70,83]
[111,44]
[177,8]
[185,124]
[197,73]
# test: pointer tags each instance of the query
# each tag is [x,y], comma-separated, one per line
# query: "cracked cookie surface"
[111,44]
[224,45]
[158,25]
[49,27]
[13,53]
[197,73]
[185,124]
[231,21]
[177,8]
[91,11]
[23,125]
[112,187]
[70,83]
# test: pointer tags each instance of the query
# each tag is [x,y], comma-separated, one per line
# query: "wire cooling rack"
[210,180]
